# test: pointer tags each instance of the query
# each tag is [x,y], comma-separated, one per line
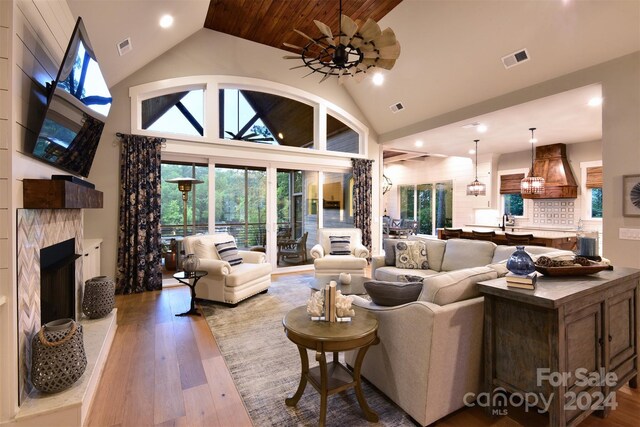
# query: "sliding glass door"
[241,204]
[430,204]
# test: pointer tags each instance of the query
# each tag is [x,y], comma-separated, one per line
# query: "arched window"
[240,111]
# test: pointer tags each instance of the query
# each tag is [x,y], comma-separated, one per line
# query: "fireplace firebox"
[57,281]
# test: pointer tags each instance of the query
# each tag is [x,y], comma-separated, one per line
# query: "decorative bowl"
[575,270]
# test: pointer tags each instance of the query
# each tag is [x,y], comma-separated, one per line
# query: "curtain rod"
[122,135]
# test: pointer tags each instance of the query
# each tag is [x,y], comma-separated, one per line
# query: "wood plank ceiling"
[271,22]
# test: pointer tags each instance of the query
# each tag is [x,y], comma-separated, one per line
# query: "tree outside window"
[513,204]
[596,202]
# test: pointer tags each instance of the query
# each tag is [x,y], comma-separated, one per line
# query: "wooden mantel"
[59,194]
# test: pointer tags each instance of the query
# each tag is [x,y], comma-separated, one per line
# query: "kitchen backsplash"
[554,212]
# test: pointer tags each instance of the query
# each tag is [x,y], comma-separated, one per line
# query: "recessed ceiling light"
[166,21]
[472,151]
[280,135]
[596,101]
[378,79]
[482,128]
[419,143]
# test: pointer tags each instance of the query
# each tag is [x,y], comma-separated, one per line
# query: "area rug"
[265,365]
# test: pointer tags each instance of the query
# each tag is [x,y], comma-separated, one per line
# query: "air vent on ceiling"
[396,107]
[125,46]
[515,58]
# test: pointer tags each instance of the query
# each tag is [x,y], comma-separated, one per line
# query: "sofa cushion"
[503,252]
[204,250]
[435,251]
[464,253]
[227,251]
[392,293]
[459,285]
[338,262]
[244,273]
[391,274]
[340,245]
[411,254]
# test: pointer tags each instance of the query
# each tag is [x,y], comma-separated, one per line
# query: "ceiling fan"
[350,53]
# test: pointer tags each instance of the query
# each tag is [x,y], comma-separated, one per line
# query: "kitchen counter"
[519,228]
[549,238]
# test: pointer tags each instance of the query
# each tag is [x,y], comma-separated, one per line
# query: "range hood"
[551,164]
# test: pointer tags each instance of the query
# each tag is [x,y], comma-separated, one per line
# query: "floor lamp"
[184,185]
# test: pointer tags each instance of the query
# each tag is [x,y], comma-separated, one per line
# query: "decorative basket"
[99,297]
[57,356]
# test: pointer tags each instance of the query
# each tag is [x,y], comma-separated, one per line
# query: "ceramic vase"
[190,263]
[520,262]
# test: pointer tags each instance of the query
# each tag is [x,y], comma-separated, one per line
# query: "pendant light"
[532,184]
[476,188]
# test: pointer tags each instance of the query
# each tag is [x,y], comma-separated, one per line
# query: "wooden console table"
[572,341]
[333,377]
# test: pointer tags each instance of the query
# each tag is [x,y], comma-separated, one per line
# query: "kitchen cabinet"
[91,258]
[572,342]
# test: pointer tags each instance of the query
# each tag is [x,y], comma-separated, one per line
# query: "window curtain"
[362,183]
[139,242]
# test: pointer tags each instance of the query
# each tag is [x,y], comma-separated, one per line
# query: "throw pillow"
[392,293]
[227,251]
[340,245]
[411,254]
[389,246]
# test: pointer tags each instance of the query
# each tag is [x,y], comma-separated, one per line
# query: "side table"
[572,342]
[333,377]
[186,279]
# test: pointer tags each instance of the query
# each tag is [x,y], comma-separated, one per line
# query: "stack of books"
[522,282]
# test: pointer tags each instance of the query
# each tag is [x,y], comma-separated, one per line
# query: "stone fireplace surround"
[37,229]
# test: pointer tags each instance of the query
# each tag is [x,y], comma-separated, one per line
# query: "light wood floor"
[165,370]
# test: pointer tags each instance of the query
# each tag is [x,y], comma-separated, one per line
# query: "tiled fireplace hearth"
[38,229]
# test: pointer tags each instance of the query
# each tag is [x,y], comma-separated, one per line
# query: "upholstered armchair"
[354,259]
[226,282]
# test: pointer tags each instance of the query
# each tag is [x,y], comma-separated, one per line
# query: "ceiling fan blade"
[370,61]
[386,38]
[387,64]
[367,47]
[373,54]
[293,46]
[370,30]
[360,77]
[291,57]
[349,28]
[306,37]
[326,31]
[326,76]
[390,52]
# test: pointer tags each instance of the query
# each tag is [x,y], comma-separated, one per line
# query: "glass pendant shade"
[476,188]
[532,184]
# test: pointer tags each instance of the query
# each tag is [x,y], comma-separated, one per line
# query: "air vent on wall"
[515,58]
[396,107]
[125,46]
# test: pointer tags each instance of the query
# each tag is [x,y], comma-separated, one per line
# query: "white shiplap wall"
[33,38]
[457,169]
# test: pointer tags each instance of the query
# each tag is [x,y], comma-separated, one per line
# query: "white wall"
[205,53]
[33,38]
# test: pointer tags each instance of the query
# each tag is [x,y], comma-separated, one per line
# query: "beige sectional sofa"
[430,351]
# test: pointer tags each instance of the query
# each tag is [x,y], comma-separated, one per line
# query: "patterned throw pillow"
[411,254]
[227,251]
[340,245]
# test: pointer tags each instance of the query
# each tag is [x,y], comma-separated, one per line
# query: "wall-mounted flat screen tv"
[78,104]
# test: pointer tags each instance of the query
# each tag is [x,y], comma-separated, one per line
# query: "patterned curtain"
[139,243]
[362,198]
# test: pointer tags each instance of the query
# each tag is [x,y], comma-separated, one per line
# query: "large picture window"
[265,118]
[171,208]
[225,109]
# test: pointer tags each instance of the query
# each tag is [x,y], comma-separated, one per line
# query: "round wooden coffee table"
[333,377]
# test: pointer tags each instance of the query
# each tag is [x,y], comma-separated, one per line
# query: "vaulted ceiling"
[451,56]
